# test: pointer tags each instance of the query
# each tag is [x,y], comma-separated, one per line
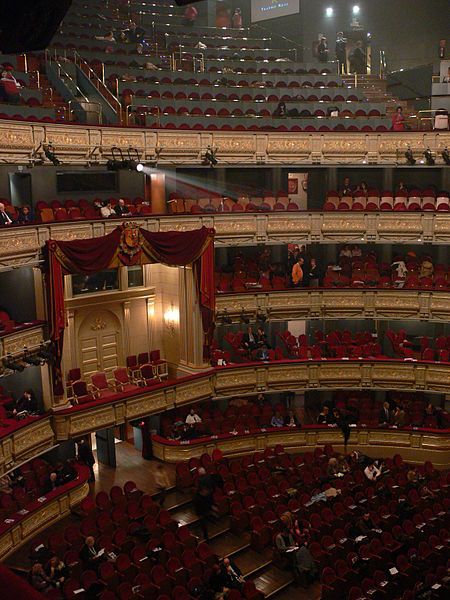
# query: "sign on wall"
[271,9]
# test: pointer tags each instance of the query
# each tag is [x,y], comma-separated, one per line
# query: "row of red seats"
[283,128]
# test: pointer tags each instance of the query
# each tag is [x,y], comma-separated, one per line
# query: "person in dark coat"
[85,456]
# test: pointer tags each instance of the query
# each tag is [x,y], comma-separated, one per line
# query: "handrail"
[296,47]
[50,59]
[100,86]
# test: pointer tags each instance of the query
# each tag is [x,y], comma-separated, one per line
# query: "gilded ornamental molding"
[415,446]
[84,144]
[24,443]
[23,245]
[357,303]
[252,378]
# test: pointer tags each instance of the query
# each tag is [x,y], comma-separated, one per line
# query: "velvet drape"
[130,245]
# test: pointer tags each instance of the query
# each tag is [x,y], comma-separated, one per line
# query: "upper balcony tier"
[23,244]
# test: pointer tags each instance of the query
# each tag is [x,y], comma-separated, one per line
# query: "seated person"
[261,353]
[261,338]
[399,418]
[232,575]
[65,472]
[372,472]
[332,468]
[6,485]
[277,420]
[324,416]
[297,554]
[107,210]
[192,418]
[9,88]
[56,571]
[291,420]
[121,209]
[364,525]
[38,579]
[90,554]
[343,465]
[217,582]
[27,403]
[25,216]
[51,484]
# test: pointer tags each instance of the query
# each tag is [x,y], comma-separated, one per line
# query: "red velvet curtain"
[125,246]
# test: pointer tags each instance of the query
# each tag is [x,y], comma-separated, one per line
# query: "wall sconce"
[171,319]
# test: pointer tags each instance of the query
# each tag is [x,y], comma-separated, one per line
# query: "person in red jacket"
[9,88]
[190,16]
[398,120]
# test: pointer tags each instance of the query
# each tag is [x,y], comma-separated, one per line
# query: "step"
[228,544]
[175,499]
[273,580]
[251,562]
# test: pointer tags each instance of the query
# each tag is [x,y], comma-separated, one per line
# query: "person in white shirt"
[193,418]
[107,210]
[5,219]
[372,472]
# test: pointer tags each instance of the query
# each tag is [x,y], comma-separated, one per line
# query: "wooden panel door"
[100,344]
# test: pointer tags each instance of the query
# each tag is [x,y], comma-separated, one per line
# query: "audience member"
[372,472]
[341,52]
[190,16]
[5,219]
[86,456]
[277,420]
[56,571]
[322,49]
[324,416]
[203,506]
[6,485]
[364,525]
[193,418]
[346,189]
[357,58]
[297,273]
[262,353]
[291,420]
[51,483]
[38,579]
[385,416]
[25,216]
[399,418]
[121,209]
[232,575]
[261,338]
[398,120]
[236,19]
[332,468]
[314,273]
[249,339]
[297,554]
[9,88]
[343,465]
[90,554]
[107,210]
[26,403]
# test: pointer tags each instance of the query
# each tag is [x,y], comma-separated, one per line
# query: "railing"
[101,87]
[292,47]
[383,64]
[177,58]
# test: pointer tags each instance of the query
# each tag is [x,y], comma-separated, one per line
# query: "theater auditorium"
[224,300]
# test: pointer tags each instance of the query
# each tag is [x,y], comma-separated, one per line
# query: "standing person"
[86,456]
[398,120]
[190,16]
[297,273]
[203,505]
[357,58]
[343,425]
[162,482]
[236,19]
[322,50]
[341,53]
[314,275]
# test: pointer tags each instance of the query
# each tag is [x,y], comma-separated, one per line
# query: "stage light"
[33,360]
[446,156]
[410,160]
[210,157]
[13,365]
[329,11]
[50,154]
[429,158]
[139,167]
[356,9]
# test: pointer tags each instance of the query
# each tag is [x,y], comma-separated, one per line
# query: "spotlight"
[429,158]
[410,160]
[356,9]
[13,365]
[33,360]
[49,152]
[329,11]
[44,354]
[210,160]
[244,319]
[446,156]
[139,167]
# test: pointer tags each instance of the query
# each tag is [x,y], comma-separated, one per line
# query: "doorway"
[100,344]
[20,188]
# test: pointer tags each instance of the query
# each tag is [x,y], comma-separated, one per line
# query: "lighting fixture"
[209,159]
[410,160]
[329,11]
[356,9]
[50,154]
[429,158]
[446,156]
